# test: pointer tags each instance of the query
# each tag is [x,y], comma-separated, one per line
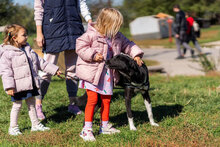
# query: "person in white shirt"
[58,25]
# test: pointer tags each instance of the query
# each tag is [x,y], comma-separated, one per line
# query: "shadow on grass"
[140,117]
[117,94]
[163,111]
[61,115]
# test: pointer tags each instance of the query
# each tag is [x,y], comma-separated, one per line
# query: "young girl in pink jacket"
[19,66]
[102,41]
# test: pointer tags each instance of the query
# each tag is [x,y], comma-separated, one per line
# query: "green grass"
[125,31]
[186,108]
[210,34]
[31,39]
[150,62]
[1,37]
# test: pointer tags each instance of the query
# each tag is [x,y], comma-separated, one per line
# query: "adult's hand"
[177,35]
[40,36]
[40,40]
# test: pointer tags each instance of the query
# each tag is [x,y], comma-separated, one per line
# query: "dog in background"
[133,78]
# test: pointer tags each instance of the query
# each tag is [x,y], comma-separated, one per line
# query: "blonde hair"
[109,22]
[11,31]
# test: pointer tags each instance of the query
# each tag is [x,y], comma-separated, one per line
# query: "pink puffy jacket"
[16,71]
[93,42]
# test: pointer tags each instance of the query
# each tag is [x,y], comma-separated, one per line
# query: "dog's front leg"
[128,95]
[148,106]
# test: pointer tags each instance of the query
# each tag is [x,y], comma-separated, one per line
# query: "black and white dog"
[133,78]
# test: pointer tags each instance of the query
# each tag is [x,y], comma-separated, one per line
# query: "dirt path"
[186,66]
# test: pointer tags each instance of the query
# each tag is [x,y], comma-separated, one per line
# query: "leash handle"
[59,76]
[64,77]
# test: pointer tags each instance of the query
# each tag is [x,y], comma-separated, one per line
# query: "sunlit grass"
[186,108]
[150,62]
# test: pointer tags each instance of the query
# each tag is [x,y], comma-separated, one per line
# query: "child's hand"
[138,60]
[90,21]
[58,73]
[98,57]
[10,92]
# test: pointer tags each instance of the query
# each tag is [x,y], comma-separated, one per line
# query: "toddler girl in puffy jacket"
[19,66]
[102,41]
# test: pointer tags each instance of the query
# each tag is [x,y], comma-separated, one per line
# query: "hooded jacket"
[93,42]
[17,68]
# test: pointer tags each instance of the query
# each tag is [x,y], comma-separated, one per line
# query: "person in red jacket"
[191,36]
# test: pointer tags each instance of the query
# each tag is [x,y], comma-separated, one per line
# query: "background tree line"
[11,13]
[209,9]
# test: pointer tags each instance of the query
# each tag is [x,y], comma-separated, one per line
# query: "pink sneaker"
[40,114]
[74,109]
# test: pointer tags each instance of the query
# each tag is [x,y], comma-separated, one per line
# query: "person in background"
[19,66]
[191,36]
[180,28]
[58,26]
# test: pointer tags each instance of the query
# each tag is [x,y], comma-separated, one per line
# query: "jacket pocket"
[86,72]
[23,84]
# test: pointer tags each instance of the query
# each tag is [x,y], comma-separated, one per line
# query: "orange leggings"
[91,103]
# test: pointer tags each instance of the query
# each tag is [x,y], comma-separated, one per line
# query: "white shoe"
[87,134]
[108,130]
[39,127]
[14,131]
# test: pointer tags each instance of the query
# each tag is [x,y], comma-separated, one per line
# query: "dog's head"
[119,62]
[129,69]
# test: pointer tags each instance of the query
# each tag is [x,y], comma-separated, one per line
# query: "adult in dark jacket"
[58,26]
[180,28]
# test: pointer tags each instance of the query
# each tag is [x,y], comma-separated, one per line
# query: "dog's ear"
[133,65]
[132,68]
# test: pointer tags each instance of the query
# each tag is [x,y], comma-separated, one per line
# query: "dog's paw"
[154,124]
[133,128]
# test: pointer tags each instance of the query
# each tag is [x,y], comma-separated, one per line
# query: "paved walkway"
[186,66]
